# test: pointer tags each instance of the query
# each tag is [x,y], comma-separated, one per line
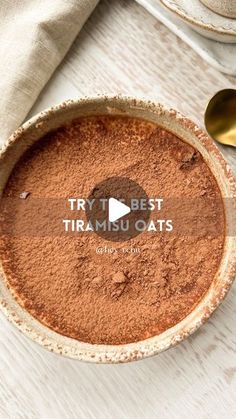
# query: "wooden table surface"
[124,49]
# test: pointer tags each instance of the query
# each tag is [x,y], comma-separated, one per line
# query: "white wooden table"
[124,49]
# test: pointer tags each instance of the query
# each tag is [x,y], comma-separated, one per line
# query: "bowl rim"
[73,348]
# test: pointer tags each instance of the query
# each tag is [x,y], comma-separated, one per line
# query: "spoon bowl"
[220,117]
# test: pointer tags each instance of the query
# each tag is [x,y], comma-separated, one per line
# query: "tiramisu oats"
[126,291]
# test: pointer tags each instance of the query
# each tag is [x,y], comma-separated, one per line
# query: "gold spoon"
[220,117]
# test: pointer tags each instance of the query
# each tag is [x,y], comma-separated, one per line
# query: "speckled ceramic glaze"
[203,20]
[52,118]
[223,7]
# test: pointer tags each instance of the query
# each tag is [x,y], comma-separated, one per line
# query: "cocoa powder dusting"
[119,297]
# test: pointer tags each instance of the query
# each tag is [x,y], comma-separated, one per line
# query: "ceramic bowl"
[223,7]
[55,117]
[203,20]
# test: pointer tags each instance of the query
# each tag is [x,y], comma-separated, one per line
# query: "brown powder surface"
[113,298]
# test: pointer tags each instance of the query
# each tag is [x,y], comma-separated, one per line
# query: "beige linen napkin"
[35,35]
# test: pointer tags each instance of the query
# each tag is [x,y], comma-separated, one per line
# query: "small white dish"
[218,55]
[203,20]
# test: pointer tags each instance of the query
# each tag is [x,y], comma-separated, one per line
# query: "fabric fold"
[35,36]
